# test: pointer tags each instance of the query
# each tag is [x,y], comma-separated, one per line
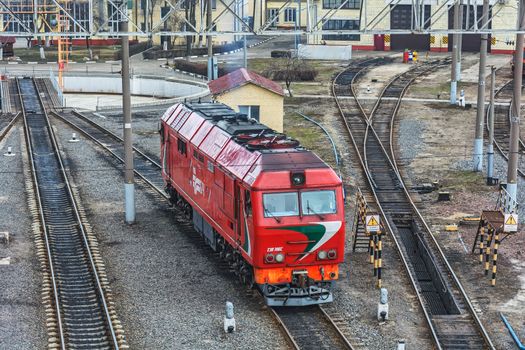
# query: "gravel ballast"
[22,319]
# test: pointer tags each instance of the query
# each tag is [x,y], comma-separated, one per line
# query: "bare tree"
[290,69]
[175,23]
[152,5]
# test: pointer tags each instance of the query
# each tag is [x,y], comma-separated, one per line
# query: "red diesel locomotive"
[273,209]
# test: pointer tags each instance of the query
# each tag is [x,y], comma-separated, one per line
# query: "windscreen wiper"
[271,215]
[310,210]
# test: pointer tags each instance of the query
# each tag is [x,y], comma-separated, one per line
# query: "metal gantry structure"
[100,18]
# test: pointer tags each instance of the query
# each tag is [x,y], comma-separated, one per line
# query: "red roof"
[242,77]
[7,39]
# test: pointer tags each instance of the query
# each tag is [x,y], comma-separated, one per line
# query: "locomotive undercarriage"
[294,295]
[301,292]
[226,252]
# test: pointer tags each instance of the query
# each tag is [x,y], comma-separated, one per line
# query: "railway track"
[450,315]
[502,115]
[310,328]
[7,120]
[147,168]
[79,314]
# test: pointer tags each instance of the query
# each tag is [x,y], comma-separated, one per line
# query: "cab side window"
[181,146]
[247,203]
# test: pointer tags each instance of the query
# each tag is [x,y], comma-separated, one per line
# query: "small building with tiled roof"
[252,94]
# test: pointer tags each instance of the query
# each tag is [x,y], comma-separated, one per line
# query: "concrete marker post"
[490,150]
[477,156]
[460,43]
[129,185]
[209,43]
[512,170]
[453,69]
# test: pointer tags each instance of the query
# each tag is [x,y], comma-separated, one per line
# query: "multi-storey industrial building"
[327,15]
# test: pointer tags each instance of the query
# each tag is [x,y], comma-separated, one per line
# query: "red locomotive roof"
[241,77]
[237,143]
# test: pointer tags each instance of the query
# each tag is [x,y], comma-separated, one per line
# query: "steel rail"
[110,151]
[499,146]
[100,290]
[8,127]
[317,319]
[337,329]
[391,160]
[429,231]
[285,329]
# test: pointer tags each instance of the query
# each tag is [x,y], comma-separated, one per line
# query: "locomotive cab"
[299,225]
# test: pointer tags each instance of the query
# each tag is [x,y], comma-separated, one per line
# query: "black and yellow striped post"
[495,259]
[481,236]
[371,248]
[376,248]
[379,259]
[487,250]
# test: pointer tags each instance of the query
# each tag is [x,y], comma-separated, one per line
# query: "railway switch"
[229,320]
[382,306]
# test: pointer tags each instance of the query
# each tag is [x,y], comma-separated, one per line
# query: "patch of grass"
[465,180]
[309,134]
[77,54]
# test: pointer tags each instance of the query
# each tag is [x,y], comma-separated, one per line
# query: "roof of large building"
[242,77]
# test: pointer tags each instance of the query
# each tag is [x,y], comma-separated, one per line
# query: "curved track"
[502,124]
[145,166]
[7,120]
[452,319]
[79,301]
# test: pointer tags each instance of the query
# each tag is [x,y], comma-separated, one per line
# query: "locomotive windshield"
[287,203]
[280,204]
[318,202]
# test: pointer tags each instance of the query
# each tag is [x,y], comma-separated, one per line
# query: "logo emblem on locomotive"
[272,208]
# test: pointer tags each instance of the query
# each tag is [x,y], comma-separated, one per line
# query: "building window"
[272,15]
[334,4]
[341,24]
[26,16]
[289,14]
[115,17]
[211,169]
[250,111]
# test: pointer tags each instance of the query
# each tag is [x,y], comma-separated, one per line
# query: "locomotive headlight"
[332,254]
[298,179]
[321,254]
[279,257]
[269,258]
